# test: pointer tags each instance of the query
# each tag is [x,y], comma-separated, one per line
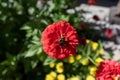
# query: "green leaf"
[65,18]
[32,51]
[48,60]
[39,51]
[42,56]
[100,44]
[31,10]
[4,4]
[96,55]
[4,71]
[88,49]
[45,22]
[92,61]
[25,27]
[35,31]
[36,42]
[83,58]
[34,64]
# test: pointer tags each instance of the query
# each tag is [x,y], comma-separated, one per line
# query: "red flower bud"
[92,2]
[109,33]
[95,17]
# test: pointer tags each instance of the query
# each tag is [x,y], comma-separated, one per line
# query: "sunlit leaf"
[26,27]
[48,60]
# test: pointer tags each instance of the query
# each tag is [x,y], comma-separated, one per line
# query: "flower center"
[62,41]
[117,77]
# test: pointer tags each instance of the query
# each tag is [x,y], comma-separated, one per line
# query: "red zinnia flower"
[59,40]
[95,17]
[108,70]
[92,2]
[109,33]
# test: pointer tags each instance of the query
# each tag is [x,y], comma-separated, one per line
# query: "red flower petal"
[109,33]
[108,70]
[92,2]
[59,40]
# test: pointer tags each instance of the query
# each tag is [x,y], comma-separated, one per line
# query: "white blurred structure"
[102,12]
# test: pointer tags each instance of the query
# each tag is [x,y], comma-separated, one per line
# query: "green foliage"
[21,52]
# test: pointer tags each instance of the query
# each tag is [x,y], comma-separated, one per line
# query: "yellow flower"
[88,41]
[93,70]
[100,51]
[52,65]
[59,67]
[74,78]
[53,74]
[49,77]
[61,77]
[89,77]
[98,60]
[94,45]
[71,59]
[78,57]
[85,62]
